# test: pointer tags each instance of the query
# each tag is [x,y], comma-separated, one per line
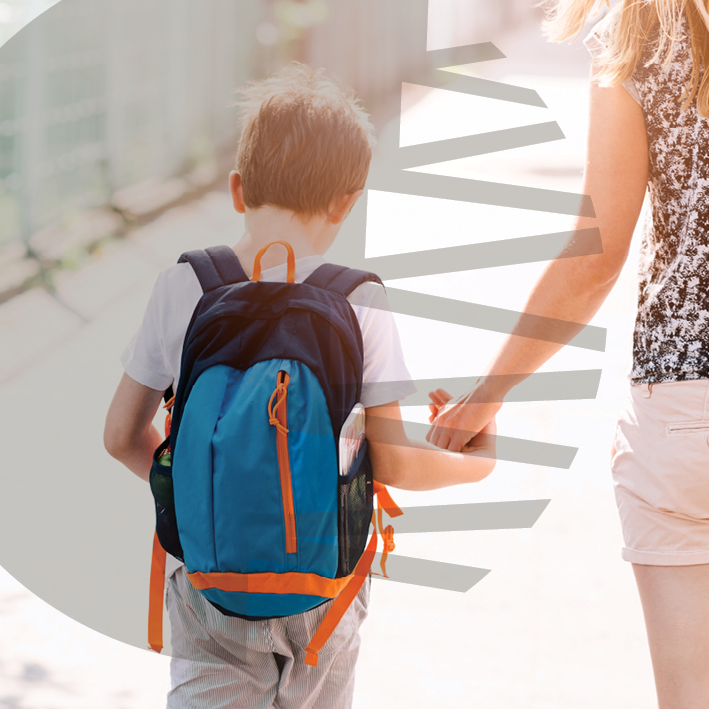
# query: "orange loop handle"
[388,546]
[388,535]
[290,276]
[272,418]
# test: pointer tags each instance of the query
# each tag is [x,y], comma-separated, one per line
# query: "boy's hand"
[414,465]
[454,419]
[439,399]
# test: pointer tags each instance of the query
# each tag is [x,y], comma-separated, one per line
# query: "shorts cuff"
[665,558]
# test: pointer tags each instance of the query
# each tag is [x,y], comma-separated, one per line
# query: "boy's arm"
[129,435]
[415,465]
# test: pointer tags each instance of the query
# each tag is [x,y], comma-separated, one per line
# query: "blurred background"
[116,136]
[110,111]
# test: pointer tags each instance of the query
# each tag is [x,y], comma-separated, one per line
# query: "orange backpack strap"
[157,595]
[342,602]
[384,500]
[349,593]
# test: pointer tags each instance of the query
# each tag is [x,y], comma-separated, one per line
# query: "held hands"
[455,419]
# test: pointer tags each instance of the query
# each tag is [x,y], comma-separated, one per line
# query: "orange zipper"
[278,417]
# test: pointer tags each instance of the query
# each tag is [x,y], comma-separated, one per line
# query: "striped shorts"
[220,662]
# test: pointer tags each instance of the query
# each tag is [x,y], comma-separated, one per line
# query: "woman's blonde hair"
[632,27]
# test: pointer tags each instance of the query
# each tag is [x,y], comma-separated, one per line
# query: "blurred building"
[100,99]
[458,22]
[98,95]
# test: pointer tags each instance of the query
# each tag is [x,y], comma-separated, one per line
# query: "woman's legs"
[662,490]
[675,602]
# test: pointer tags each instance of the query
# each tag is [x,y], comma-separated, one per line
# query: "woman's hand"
[464,424]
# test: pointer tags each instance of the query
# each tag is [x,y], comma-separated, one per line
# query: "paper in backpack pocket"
[351,438]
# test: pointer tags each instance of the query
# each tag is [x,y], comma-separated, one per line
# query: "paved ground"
[557,622]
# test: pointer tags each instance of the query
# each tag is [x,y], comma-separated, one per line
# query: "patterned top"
[671,340]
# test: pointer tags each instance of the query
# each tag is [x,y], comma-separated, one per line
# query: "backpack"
[250,497]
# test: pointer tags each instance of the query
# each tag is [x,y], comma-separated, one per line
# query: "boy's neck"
[267,224]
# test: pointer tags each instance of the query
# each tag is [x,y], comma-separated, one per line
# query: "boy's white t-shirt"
[153,356]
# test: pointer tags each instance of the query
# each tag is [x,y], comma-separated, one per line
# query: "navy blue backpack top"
[252,500]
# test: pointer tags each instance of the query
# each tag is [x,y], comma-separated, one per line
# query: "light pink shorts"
[661,473]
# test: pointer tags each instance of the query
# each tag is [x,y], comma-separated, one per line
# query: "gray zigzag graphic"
[389,174]
[521,514]
[540,386]
[487,89]
[487,317]
[481,144]
[490,254]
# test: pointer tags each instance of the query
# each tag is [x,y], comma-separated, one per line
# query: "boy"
[302,163]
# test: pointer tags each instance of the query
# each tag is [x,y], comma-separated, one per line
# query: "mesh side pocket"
[165,521]
[354,512]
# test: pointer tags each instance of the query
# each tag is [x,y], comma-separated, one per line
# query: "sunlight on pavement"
[16,14]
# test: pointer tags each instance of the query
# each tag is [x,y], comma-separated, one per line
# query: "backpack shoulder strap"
[215,266]
[340,279]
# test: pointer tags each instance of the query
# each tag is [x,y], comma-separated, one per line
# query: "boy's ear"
[237,192]
[342,206]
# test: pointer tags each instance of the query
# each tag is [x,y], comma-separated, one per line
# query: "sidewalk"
[557,623]
[58,368]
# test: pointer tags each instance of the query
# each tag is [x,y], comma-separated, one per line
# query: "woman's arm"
[570,289]
[414,465]
[129,434]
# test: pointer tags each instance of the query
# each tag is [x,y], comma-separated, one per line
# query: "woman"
[648,129]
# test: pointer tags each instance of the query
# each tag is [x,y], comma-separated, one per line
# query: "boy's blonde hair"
[630,31]
[305,140]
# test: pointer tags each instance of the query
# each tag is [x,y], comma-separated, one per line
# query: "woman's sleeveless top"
[671,338]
